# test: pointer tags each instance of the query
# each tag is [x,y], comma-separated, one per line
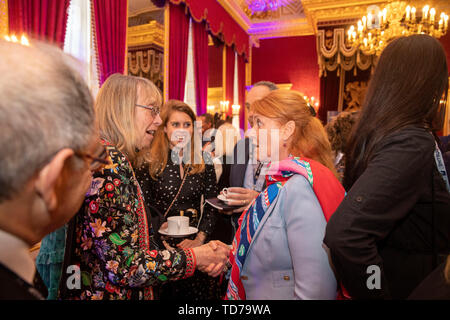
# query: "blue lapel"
[263,221]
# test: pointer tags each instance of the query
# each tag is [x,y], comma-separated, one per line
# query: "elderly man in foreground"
[50,146]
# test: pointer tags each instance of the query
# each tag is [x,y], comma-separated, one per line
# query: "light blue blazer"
[286,259]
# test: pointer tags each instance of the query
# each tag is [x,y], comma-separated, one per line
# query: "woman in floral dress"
[109,241]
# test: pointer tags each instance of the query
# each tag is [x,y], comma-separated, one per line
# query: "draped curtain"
[39,19]
[329,95]
[201,65]
[241,90]
[229,76]
[178,50]
[220,23]
[111,35]
[207,17]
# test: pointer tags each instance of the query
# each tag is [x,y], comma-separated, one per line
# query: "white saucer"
[221,197]
[192,230]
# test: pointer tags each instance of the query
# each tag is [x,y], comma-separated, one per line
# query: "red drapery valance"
[219,22]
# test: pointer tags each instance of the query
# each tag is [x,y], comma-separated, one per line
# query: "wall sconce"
[23,40]
[224,106]
[236,108]
[211,109]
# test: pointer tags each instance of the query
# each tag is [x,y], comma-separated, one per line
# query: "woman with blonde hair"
[277,251]
[174,181]
[110,238]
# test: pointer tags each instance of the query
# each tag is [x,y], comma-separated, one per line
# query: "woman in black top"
[175,156]
[393,228]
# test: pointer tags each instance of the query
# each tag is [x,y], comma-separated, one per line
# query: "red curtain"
[241,90]
[229,76]
[111,36]
[44,20]
[201,66]
[219,22]
[178,50]
[329,95]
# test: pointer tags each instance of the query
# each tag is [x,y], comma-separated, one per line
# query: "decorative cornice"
[329,11]
[236,12]
[288,28]
[152,33]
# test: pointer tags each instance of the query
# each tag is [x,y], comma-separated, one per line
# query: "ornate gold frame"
[4,21]
[446,129]
[151,33]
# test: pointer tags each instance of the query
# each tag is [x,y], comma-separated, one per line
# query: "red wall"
[445,41]
[288,60]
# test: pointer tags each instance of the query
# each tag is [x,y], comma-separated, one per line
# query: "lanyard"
[441,166]
[257,174]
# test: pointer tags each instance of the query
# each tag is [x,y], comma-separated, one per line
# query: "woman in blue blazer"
[277,252]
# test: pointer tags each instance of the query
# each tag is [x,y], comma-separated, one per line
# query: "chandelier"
[261,9]
[378,27]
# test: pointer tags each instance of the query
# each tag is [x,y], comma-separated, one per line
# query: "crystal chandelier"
[378,27]
[261,9]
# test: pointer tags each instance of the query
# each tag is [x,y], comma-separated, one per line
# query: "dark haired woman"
[393,228]
[174,180]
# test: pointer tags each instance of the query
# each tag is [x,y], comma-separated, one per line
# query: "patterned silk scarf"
[327,189]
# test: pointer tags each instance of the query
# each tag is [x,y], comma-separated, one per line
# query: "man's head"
[258,91]
[48,139]
[207,121]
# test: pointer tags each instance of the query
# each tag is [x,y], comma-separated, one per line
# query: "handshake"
[212,258]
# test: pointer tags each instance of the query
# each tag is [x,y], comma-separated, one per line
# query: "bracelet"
[191,263]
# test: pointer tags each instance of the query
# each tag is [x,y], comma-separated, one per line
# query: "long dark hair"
[406,90]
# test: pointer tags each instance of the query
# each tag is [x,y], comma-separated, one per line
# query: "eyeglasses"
[98,161]
[155,110]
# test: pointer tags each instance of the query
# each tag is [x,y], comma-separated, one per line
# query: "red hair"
[310,138]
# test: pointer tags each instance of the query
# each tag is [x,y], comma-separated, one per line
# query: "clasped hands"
[212,258]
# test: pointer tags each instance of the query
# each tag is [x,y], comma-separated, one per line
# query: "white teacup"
[177,225]
[226,192]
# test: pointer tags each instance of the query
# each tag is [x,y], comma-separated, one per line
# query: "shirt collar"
[15,255]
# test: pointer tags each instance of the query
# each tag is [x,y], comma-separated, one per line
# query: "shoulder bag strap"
[186,173]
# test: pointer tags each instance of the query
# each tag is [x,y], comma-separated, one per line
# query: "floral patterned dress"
[110,241]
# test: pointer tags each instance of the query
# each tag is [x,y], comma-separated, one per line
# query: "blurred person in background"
[338,131]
